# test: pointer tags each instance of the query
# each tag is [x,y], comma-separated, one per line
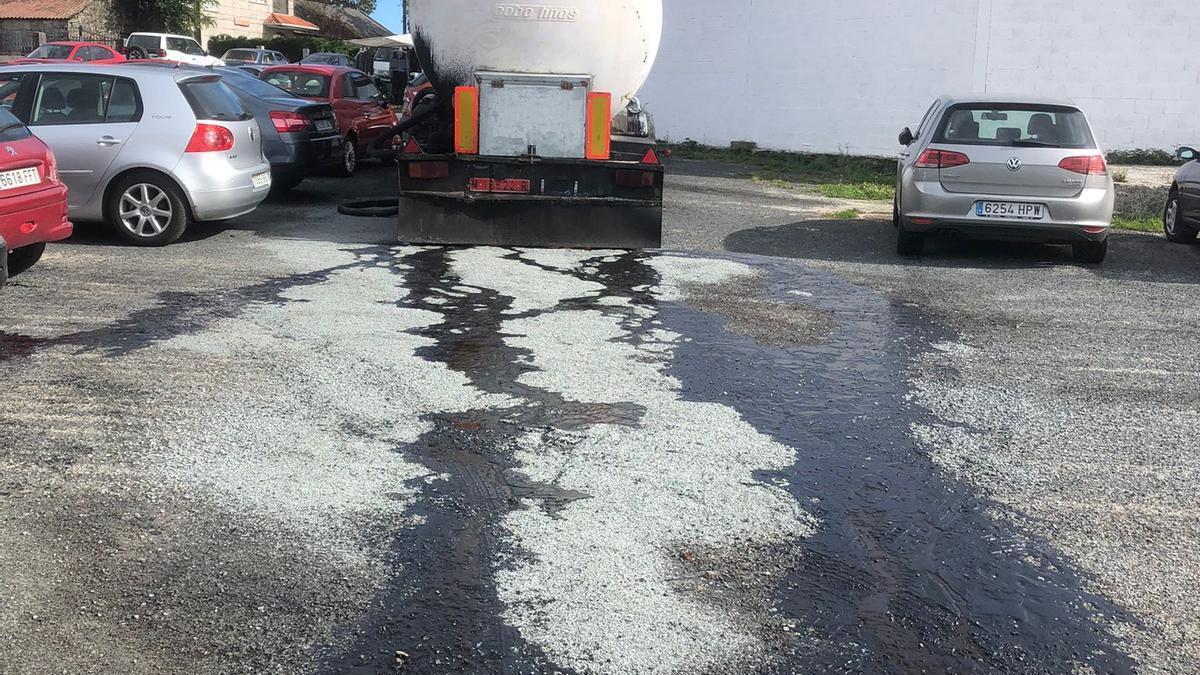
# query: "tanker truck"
[531,133]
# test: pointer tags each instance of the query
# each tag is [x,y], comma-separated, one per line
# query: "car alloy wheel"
[350,157]
[1171,217]
[145,210]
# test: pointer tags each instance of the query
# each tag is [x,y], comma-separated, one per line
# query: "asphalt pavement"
[287,444]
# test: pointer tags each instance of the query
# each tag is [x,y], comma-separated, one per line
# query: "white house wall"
[846,76]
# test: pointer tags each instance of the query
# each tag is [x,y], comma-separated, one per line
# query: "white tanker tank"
[614,41]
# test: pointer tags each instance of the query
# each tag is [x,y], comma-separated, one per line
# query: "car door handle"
[107,141]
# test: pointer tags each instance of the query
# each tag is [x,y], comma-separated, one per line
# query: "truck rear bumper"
[537,222]
[561,203]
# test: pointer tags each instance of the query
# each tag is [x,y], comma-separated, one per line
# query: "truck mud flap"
[536,224]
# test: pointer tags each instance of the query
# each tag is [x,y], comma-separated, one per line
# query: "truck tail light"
[412,147]
[941,159]
[1086,165]
[288,122]
[210,138]
[651,157]
[634,179]
[466,120]
[428,170]
[599,126]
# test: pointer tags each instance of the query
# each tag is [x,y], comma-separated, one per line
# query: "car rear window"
[11,128]
[51,52]
[308,85]
[1014,125]
[144,41]
[212,100]
[239,55]
[249,84]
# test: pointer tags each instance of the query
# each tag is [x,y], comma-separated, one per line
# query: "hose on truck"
[387,208]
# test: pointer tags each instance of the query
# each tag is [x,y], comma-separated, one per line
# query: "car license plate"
[261,180]
[1018,210]
[19,178]
[324,125]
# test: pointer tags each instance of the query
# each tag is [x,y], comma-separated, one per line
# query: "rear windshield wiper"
[1030,143]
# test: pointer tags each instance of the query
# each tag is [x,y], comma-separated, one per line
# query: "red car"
[33,202]
[88,52]
[363,115]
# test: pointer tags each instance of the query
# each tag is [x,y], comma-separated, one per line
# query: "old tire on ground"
[349,163]
[909,244]
[1090,252]
[1173,225]
[147,209]
[25,257]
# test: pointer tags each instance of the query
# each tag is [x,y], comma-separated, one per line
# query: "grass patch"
[1120,175]
[1143,157]
[876,192]
[797,167]
[1138,224]
[848,214]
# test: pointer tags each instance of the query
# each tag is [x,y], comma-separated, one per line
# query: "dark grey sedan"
[1181,219]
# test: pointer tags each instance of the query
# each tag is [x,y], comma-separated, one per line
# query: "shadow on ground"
[1133,256]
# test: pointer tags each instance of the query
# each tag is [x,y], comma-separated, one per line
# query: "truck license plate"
[1017,210]
[19,178]
[511,185]
[261,180]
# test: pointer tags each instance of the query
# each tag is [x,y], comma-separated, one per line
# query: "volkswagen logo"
[1014,164]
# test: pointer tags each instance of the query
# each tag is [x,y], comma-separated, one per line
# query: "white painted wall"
[847,75]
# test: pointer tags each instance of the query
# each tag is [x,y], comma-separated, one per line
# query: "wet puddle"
[907,573]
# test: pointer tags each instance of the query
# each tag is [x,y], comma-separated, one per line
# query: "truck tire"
[25,257]
[1173,225]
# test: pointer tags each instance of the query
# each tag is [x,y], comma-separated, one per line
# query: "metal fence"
[22,42]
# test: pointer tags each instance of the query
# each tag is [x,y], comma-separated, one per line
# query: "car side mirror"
[1186,154]
[906,137]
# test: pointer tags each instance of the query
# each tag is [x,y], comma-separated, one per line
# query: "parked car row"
[151,146]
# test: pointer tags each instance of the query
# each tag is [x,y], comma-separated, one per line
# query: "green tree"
[185,17]
[364,6]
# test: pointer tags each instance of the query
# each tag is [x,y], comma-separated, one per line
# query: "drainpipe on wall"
[983,46]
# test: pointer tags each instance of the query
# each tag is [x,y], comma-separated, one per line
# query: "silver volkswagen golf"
[1004,167]
[147,150]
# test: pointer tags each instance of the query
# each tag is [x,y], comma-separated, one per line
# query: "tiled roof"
[41,9]
[287,21]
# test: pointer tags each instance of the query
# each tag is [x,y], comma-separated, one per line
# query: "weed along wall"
[847,75]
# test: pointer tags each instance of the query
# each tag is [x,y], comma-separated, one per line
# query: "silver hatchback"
[1004,167]
[147,150]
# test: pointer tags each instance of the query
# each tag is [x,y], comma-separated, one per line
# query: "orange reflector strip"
[466,120]
[599,126]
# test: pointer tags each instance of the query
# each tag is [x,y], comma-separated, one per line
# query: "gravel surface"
[284,445]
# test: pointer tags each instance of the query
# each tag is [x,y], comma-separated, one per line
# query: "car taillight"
[941,159]
[287,122]
[210,138]
[51,168]
[1085,164]
[157,53]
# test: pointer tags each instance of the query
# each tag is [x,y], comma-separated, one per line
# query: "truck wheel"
[909,244]
[25,257]
[1176,230]
[1090,252]
[349,163]
[146,209]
